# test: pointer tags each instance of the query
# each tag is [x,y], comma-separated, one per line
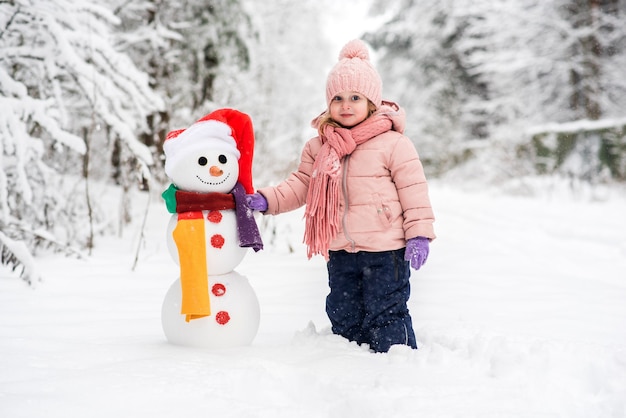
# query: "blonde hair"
[327,120]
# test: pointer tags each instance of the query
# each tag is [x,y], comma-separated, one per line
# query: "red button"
[214,216]
[222,317]
[217,241]
[218,289]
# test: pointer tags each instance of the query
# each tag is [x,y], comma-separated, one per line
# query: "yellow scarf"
[191,244]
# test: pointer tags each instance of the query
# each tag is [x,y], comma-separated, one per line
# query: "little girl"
[367,205]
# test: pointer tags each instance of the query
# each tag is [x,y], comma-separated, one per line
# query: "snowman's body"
[234,308]
[234,320]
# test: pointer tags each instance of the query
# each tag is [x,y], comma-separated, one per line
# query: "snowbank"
[519,312]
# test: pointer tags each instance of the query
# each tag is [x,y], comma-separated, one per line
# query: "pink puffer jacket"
[385,194]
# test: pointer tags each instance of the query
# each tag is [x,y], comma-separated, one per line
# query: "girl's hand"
[256,201]
[416,251]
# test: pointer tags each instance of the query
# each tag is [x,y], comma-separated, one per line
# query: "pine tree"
[497,71]
[65,95]
[194,51]
[423,70]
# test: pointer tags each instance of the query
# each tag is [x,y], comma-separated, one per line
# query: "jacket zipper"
[346,206]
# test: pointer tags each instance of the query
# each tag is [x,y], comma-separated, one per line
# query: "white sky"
[347,20]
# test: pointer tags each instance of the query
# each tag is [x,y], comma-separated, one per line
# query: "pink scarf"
[322,202]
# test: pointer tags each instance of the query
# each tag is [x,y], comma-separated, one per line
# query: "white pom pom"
[355,49]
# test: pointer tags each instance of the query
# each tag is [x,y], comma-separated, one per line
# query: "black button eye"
[222,159]
[202,161]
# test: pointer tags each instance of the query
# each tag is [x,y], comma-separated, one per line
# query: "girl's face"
[349,108]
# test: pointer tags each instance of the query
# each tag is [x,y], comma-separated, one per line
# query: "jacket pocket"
[383,211]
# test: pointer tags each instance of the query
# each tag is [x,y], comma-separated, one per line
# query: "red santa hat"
[228,130]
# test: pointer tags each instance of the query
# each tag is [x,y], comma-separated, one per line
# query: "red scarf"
[322,202]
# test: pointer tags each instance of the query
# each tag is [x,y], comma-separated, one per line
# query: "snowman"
[210,165]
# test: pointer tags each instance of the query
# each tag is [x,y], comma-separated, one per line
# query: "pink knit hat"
[354,72]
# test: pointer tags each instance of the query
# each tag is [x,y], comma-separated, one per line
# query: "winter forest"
[90,88]
[517,109]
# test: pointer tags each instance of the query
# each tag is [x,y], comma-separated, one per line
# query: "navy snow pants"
[368,298]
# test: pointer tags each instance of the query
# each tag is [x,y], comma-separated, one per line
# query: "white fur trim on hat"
[211,135]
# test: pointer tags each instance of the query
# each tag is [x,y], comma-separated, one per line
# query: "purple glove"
[256,201]
[416,251]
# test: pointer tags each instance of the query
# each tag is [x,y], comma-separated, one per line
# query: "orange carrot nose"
[215,171]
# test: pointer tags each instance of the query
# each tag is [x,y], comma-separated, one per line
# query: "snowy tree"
[559,61]
[65,96]
[493,71]
[546,61]
[424,71]
[284,90]
[194,51]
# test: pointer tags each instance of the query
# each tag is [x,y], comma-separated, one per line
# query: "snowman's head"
[205,170]
[213,154]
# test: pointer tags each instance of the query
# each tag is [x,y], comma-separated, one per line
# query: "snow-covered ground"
[519,312]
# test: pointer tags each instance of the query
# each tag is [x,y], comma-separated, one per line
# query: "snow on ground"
[519,312]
